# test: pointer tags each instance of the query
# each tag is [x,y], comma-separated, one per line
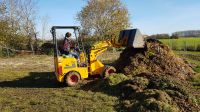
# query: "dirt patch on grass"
[27,63]
[191,56]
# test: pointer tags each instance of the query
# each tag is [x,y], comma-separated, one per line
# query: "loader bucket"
[131,38]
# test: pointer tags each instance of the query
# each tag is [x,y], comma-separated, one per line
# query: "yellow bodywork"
[82,57]
[68,64]
[95,66]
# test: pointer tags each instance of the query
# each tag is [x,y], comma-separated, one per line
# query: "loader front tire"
[72,78]
[108,71]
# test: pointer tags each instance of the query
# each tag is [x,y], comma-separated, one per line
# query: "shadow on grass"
[101,85]
[34,80]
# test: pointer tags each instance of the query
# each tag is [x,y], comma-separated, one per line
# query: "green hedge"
[47,48]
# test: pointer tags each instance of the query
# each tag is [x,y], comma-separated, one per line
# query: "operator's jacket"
[67,45]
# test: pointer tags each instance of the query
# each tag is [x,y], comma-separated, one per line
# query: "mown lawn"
[27,83]
[190,44]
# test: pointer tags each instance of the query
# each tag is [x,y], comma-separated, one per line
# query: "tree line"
[163,36]
[99,20]
[189,33]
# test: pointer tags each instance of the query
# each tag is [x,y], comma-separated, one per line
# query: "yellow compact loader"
[71,70]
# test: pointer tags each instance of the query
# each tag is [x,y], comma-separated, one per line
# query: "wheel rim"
[111,71]
[74,79]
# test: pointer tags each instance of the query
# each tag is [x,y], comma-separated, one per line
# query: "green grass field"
[27,83]
[190,44]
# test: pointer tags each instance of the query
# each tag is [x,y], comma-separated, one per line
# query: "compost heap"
[157,80]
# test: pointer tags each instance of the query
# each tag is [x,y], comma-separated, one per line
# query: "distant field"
[187,44]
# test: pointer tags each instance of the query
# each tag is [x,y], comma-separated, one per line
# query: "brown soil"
[158,80]
[155,58]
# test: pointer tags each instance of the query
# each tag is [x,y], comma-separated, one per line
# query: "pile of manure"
[157,80]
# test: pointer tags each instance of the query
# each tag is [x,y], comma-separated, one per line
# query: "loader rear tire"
[72,78]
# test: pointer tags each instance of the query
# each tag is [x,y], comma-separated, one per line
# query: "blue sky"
[150,16]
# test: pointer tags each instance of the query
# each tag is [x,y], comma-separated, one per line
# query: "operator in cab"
[68,47]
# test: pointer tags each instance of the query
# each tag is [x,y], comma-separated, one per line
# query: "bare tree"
[3,12]
[20,16]
[45,26]
[28,16]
